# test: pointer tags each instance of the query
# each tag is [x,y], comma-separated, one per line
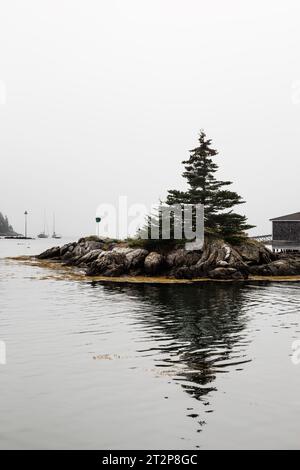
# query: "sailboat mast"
[44,223]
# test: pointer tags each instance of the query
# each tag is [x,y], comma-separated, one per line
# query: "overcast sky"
[105,98]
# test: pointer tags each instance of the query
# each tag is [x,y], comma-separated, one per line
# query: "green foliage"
[106,242]
[95,238]
[89,238]
[158,245]
[204,188]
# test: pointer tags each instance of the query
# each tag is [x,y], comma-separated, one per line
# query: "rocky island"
[217,260]
[228,253]
[6,229]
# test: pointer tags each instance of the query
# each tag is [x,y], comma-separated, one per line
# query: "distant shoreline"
[15,237]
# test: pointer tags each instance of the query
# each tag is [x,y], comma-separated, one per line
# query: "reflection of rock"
[217,260]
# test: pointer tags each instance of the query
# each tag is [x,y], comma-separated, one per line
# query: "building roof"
[288,218]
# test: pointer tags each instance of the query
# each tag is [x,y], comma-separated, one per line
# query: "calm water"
[132,366]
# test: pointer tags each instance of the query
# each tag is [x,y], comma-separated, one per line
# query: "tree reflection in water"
[199,330]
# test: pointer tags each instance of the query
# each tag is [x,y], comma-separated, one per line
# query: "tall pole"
[25,214]
[98,220]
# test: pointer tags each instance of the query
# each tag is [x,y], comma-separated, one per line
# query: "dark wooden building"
[286,232]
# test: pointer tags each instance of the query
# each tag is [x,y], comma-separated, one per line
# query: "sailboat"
[43,234]
[54,234]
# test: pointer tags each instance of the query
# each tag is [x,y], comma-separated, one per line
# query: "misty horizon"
[88,115]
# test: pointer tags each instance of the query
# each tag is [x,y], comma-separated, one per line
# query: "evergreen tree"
[5,227]
[204,188]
